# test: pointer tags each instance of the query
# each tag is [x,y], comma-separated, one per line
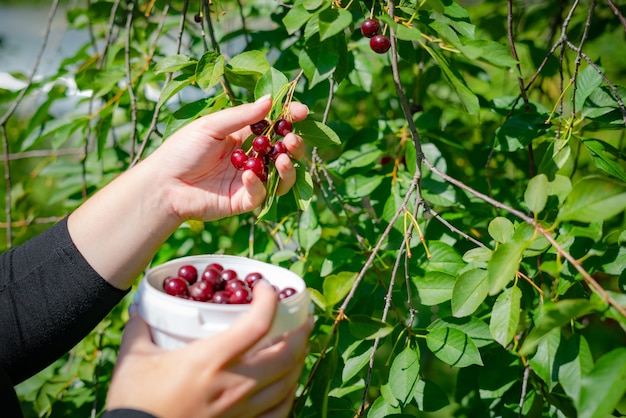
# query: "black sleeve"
[50,299]
[126,413]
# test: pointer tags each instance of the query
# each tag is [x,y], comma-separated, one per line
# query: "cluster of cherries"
[216,285]
[370,28]
[263,150]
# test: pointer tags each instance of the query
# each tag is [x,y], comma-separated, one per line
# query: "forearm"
[119,229]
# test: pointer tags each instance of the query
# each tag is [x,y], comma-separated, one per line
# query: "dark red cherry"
[283,127]
[277,149]
[216,266]
[201,291]
[252,278]
[238,158]
[370,28]
[286,292]
[175,286]
[240,295]
[255,165]
[261,144]
[259,127]
[213,278]
[380,44]
[189,273]
[221,296]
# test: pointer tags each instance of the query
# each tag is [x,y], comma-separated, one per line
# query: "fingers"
[223,123]
[250,328]
[298,111]
[136,336]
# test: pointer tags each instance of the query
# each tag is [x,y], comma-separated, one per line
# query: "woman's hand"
[190,176]
[216,377]
[197,175]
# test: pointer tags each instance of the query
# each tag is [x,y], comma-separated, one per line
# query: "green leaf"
[337,286]
[501,229]
[402,32]
[470,290]
[173,63]
[246,69]
[174,86]
[333,21]
[434,287]
[303,189]
[519,131]
[364,327]
[317,298]
[274,83]
[317,60]
[364,156]
[490,51]
[316,134]
[605,157]
[430,397]
[505,316]
[404,374]
[573,361]
[360,186]
[467,97]
[444,258]
[603,388]
[536,194]
[504,264]
[555,315]
[297,17]
[192,111]
[453,347]
[209,70]
[476,328]
[594,199]
[309,231]
[543,361]
[354,364]
[587,81]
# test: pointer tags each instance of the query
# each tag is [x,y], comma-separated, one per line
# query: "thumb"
[251,327]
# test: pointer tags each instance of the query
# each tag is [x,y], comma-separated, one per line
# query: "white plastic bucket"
[175,322]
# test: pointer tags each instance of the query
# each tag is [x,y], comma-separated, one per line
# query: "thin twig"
[131,91]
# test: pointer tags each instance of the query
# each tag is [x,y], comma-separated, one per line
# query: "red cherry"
[201,291]
[283,127]
[380,44]
[175,286]
[238,158]
[286,292]
[213,278]
[189,273]
[259,127]
[234,284]
[370,28]
[228,274]
[240,295]
[216,266]
[255,165]
[252,278]
[277,149]
[261,144]
[221,296]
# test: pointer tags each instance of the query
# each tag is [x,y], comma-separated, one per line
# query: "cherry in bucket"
[217,284]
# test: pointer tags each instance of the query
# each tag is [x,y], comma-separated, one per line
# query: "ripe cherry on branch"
[380,44]
[370,28]
[264,148]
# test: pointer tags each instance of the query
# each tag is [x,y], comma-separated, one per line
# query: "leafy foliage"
[459,217]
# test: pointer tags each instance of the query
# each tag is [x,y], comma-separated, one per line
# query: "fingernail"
[263,98]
